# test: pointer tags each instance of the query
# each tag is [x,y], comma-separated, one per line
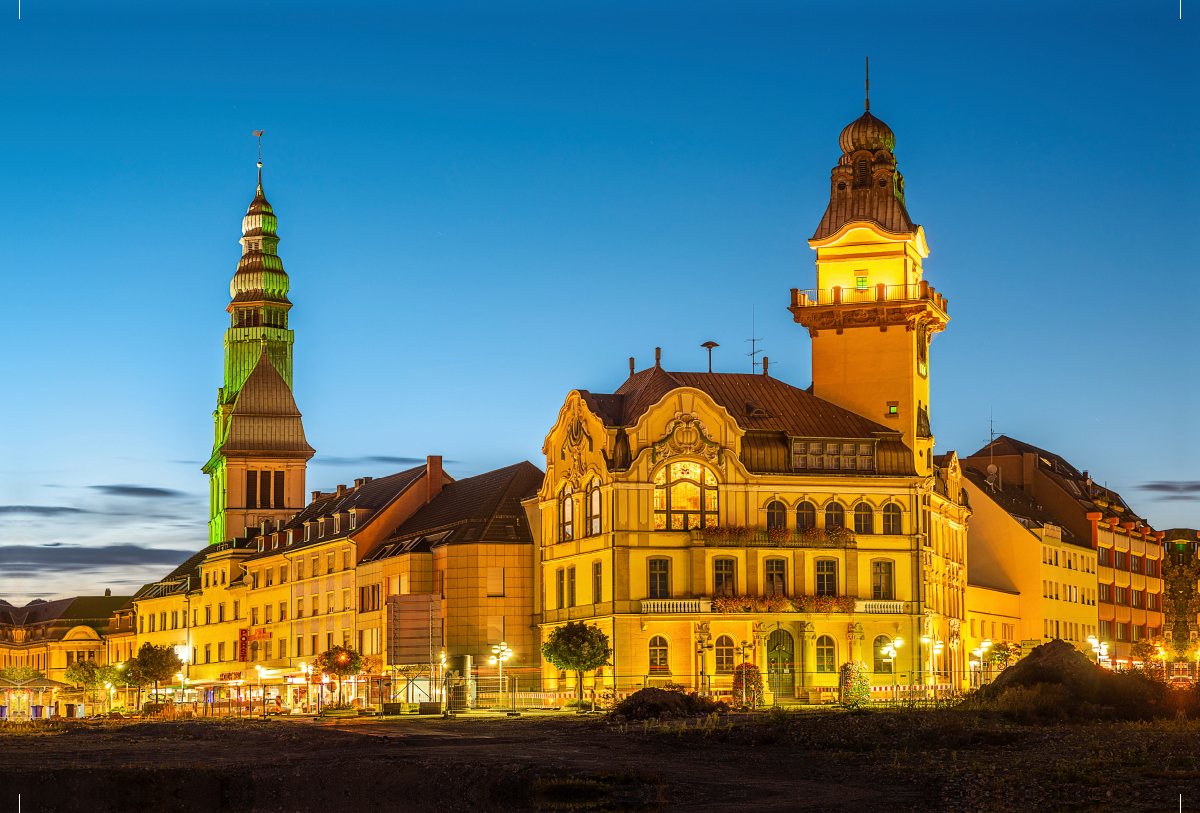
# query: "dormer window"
[353,520]
[337,523]
[307,531]
[321,527]
[289,537]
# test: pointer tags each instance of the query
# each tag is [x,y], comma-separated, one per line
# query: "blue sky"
[481,210]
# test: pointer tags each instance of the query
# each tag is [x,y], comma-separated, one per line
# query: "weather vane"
[259,135]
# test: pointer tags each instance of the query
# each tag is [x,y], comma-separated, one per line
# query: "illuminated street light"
[500,653]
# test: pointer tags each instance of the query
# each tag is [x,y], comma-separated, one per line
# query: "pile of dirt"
[1056,680]
[660,704]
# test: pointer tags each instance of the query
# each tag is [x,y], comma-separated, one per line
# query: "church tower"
[872,314]
[259,456]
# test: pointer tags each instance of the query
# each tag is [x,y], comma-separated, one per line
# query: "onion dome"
[867,133]
[260,274]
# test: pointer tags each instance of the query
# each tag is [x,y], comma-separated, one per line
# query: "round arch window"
[685,497]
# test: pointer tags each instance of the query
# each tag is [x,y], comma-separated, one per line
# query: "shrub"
[747,675]
[812,534]
[728,604]
[805,604]
[854,684]
[839,534]
[846,603]
[650,703]
[825,604]
[778,604]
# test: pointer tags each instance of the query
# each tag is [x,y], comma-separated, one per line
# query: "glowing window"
[685,497]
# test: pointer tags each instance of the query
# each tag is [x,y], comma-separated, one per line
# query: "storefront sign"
[231,676]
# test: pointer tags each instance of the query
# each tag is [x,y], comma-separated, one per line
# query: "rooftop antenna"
[259,134]
[709,347]
[754,340]
[868,83]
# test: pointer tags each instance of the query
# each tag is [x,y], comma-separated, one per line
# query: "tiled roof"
[375,494]
[484,508]
[265,419]
[1071,479]
[81,609]
[1019,505]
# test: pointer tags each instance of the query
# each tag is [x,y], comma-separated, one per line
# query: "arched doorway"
[781,663]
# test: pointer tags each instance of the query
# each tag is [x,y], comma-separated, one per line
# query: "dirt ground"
[829,761]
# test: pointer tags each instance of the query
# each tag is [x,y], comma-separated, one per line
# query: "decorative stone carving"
[686,434]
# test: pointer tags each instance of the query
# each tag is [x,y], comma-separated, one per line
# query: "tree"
[20,674]
[577,648]
[91,676]
[747,684]
[130,673]
[340,662]
[855,685]
[158,663]
[1003,654]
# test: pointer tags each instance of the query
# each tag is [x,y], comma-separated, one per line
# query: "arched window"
[593,508]
[724,577]
[826,654]
[882,664]
[863,519]
[776,578]
[827,581]
[806,515]
[891,518]
[566,515]
[660,578]
[658,655]
[835,515]
[881,580]
[724,655]
[685,497]
[776,515]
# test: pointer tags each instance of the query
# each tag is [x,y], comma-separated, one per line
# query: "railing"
[839,295]
[896,607]
[765,539]
[676,605]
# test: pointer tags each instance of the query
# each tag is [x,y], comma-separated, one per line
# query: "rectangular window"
[283,647]
[267,614]
[660,578]
[267,650]
[329,559]
[597,582]
[221,651]
[724,577]
[560,583]
[220,613]
[1104,592]
[252,489]
[345,600]
[860,283]
[571,587]
[269,576]
[264,490]
[328,641]
[283,611]
[827,577]
[345,560]
[235,610]
[278,496]
[881,581]
[495,581]
[254,616]
[1119,595]
[328,603]
[775,583]
[1122,631]
[300,645]
[208,653]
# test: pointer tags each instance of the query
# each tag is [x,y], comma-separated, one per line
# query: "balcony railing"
[894,607]
[676,605]
[724,538]
[838,295]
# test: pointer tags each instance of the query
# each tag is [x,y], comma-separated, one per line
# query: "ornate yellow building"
[703,518]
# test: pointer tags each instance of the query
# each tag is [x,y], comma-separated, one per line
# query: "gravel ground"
[826,761]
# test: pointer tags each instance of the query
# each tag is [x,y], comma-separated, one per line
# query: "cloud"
[362,461]
[43,510]
[136,491]
[28,559]
[1173,489]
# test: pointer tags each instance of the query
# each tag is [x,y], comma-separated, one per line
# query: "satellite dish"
[992,468]
[1089,482]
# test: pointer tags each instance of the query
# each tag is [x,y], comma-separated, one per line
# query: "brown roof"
[484,508]
[1019,505]
[265,420]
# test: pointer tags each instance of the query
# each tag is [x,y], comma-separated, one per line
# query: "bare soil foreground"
[826,761]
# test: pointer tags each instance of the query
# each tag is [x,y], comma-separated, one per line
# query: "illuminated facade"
[256,471]
[705,518]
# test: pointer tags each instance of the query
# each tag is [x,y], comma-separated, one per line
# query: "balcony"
[676,605]
[750,538]
[878,293]
[883,607]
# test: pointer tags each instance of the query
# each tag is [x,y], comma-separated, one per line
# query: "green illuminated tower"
[256,472]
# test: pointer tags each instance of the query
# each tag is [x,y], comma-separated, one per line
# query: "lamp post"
[501,653]
[891,650]
[745,645]
[924,640]
[938,646]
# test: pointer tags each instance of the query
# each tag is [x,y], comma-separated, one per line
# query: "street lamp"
[890,651]
[501,653]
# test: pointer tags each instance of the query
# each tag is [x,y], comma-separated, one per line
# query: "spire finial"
[259,134]
[868,100]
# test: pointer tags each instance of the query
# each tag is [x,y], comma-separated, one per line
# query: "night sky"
[480,211]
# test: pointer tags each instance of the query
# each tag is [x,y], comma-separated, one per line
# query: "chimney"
[631,366]
[341,490]
[108,591]
[358,481]
[766,361]
[658,357]
[433,476]
[316,495]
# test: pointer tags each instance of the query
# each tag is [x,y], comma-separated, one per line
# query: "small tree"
[85,675]
[158,663]
[855,684]
[132,674]
[340,662]
[747,683]
[578,648]
[1003,654]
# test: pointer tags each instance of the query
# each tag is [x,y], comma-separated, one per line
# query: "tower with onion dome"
[872,313]
[256,471]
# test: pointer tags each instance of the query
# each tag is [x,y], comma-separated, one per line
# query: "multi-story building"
[1029,580]
[1096,524]
[703,518]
